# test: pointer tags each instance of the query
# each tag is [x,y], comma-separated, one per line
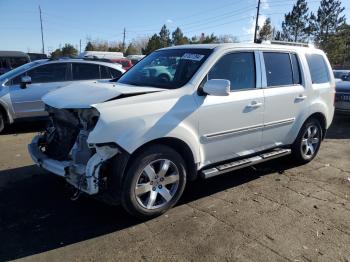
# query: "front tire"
[308,142]
[154,182]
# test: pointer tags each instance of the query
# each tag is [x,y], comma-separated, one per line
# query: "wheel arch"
[322,119]
[5,113]
[179,146]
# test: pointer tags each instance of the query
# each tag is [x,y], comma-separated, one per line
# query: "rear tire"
[308,142]
[154,182]
[2,122]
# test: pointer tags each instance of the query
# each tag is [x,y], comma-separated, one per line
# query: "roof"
[82,60]
[241,46]
[12,54]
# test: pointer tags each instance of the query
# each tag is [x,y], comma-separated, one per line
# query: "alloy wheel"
[310,141]
[157,184]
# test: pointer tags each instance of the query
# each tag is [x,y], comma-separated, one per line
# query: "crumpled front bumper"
[83,177]
[59,168]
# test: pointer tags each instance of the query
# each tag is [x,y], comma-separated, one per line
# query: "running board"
[228,167]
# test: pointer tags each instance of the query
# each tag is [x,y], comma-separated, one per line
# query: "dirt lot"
[301,214]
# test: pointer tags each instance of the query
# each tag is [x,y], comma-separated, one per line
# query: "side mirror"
[25,80]
[217,87]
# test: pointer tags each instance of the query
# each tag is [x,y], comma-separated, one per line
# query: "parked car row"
[12,59]
[342,98]
[21,89]
[186,112]
[114,57]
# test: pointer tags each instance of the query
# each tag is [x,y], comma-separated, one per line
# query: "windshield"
[18,70]
[169,68]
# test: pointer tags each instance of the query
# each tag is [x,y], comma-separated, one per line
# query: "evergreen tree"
[131,50]
[69,50]
[178,37]
[265,32]
[153,44]
[164,37]
[328,19]
[337,46]
[89,46]
[295,24]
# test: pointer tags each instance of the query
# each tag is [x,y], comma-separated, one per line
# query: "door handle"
[254,104]
[301,98]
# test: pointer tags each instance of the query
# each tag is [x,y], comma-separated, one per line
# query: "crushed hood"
[85,94]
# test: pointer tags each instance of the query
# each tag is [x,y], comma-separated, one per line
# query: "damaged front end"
[63,149]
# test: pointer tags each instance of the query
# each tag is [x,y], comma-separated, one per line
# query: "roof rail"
[276,42]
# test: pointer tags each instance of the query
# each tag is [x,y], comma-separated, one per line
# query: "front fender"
[130,134]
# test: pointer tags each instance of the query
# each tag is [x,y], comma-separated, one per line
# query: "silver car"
[21,89]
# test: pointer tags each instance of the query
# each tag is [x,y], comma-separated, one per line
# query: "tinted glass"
[171,68]
[115,73]
[85,71]
[296,69]
[278,69]
[239,68]
[318,69]
[17,61]
[105,72]
[46,73]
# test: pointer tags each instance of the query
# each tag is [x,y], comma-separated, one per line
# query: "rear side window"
[318,68]
[239,68]
[278,69]
[85,71]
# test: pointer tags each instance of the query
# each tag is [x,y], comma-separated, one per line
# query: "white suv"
[139,140]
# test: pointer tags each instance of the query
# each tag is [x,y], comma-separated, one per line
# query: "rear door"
[45,78]
[85,71]
[285,96]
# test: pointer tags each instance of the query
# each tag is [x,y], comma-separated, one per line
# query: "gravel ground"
[277,212]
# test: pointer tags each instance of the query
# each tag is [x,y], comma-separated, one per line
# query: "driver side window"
[239,68]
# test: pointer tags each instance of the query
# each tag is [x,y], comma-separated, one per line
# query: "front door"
[27,102]
[231,126]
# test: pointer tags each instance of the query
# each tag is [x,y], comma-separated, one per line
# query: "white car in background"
[21,89]
[227,106]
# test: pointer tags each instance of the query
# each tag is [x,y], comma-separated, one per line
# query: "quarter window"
[278,69]
[318,69]
[238,68]
[296,69]
[115,73]
[85,71]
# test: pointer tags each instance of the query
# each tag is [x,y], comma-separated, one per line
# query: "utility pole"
[257,22]
[42,33]
[80,46]
[124,33]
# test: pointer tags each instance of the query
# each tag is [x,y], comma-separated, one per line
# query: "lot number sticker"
[193,57]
